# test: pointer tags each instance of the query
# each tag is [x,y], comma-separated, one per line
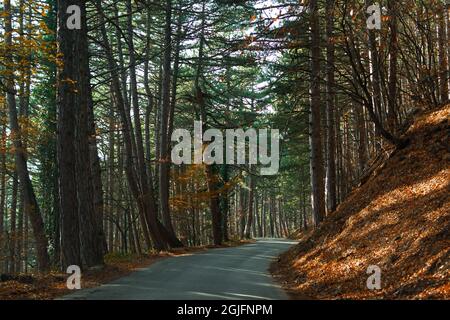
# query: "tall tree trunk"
[144,196]
[361,129]
[443,46]
[447,19]
[76,150]
[176,71]
[2,191]
[164,157]
[264,215]
[70,243]
[210,170]
[24,101]
[317,169]
[111,177]
[165,234]
[19,234]
[31,205]
[393,62]
[331,98]
[375,105]
[96,173]
[12,222]
[303,199]
[150,100]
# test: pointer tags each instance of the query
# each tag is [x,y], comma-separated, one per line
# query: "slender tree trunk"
[264,215]
[26,242]
[31,205]
[443,46]
[165,234]
[12,222]
[361,129]
[176,71]
[3,192]
[225,206]
[164,157]
[19,234]
[257,216]
[317,169]
[331,98]
[111,176]
[241,213]
[304,198]
[210,170]
[214,204]
[249,221]
[96,173]
[375,105]
[447,19]
[271,216]
[24,99]
[150,100]
[135,231]
[339,154]
[144,197]
[393,62]
[274,217]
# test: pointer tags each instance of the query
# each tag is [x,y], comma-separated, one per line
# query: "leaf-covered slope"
[398,220]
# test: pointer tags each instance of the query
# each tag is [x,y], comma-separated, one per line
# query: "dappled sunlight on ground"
[399,220]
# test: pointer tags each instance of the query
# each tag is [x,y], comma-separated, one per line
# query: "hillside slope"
[398,220]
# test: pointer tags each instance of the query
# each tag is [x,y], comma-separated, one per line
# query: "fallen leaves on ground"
[398,220]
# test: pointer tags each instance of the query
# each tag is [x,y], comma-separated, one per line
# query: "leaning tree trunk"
[146,182]
[141,191]
[30,203]
[164,156]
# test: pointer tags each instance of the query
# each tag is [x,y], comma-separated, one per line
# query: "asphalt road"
[239,273]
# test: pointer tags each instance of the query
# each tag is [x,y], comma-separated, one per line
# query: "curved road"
[227,273]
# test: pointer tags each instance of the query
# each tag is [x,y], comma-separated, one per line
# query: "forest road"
[238,273]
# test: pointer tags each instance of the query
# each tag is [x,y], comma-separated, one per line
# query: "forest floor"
[53,285]
[398,220]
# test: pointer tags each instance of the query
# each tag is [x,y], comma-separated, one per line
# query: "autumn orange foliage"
[398,220]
